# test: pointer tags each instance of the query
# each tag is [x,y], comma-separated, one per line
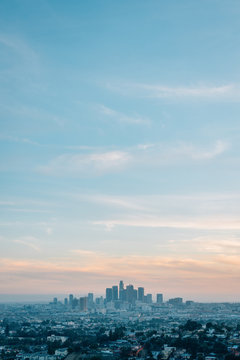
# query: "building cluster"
[168,332]
[118,297]
[129,294]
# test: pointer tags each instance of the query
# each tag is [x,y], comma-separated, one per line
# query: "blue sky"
[120,146]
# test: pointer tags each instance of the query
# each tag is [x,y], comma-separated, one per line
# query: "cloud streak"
[208,223]
[123,118]
[122,202]
[19,46]
[227,92]
[100,163]
[89,164]
[29,241]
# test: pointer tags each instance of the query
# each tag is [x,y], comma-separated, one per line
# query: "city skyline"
[119,147]
[113,293]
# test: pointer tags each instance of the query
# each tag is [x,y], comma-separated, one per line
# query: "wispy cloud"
[49,230]
[224,247]
[23,61]
[203,211]
[123,118]
[184,222]
[18,140]
[218,244]
[219,148]
[169,153]
[24,210]
[19,46]
[25,205]
[200,91]
[89,164]
[160,91]
[29,241]
[113,201]
[182,151]
[99,163]
[27,141]
[8,203]
[84,252]
[30,112]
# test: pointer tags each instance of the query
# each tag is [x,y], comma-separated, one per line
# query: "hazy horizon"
[46,298]
[120,147]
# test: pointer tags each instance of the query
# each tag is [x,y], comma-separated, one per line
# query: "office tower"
[141,294]
[175,301]
[189,302]
[66,301]
[121,285]
[75,302]
[149,298]
[124,295]
[108,294]
[159,298]
[114,293]
[135,294]
[90,297]
[90,300]
[99,301]
[130,294]
[83,303]
[71,299]
[121,290]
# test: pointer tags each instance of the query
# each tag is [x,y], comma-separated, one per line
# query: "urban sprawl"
[125,324]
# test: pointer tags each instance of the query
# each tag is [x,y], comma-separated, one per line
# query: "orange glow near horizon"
[171,276]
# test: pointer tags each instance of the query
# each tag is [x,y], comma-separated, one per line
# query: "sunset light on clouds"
[120,147]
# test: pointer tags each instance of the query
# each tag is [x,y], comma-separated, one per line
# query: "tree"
[7,330]
[125,352]
[192,325]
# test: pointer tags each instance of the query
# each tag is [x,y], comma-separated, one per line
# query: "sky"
[120,147]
